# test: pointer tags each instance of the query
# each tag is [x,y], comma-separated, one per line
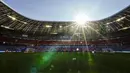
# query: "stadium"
[32,46]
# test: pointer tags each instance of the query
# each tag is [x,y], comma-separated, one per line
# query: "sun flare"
[81,19]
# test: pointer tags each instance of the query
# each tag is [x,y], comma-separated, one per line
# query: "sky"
[66,10]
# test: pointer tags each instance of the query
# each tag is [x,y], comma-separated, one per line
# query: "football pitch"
[64,62]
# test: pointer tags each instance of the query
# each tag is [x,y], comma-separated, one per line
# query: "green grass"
[53,62]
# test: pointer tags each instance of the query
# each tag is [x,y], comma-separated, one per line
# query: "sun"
[81,19]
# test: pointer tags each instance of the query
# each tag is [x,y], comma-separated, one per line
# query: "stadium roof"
[14,22]
[59,10]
